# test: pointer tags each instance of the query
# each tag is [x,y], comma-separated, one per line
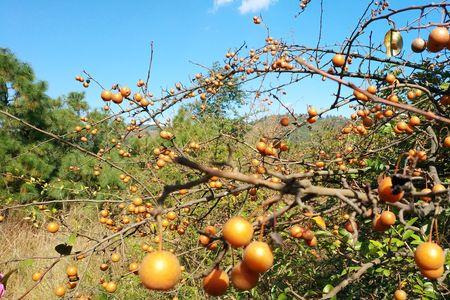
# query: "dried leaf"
[320,222]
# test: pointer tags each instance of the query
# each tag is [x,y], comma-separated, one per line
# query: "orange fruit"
[160,270]
[312,112]
[390,78]
[133,267]
[60,291]
[429,256]
[338,60]
[414,121]
[52,227]
[378,225]
[418,45]
[258,257]
[115,257]
[385,191]
[387,218]
[125,91]
[117,98]
[433,273]
[312,242]
[438,38]
[296,231]
[216,283]
[447,142]
[400,295]
[284,121]
[426,198]
[238,232]
[372,89]
[111,287]
[438,188]
[106,95]
[243,278]
[71,271]
[36,276]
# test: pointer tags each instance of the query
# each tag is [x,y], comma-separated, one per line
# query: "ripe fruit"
[438,39]
[338,60]
[438,188]
[312,112]
[111,287]
[52,227]
[307,234]
[204,240]
[160,270]
[71,271]
[171,215]
[390,78]
[243,278]
[312,242]
[372,89]
[418,45]
[36,276]
[125,91]
[60,291]
[429,256]
[117,98]
[426,198]
[350,226]
[386,192]
[447,142]
[166,135]
[216,283]
[261,147]
[238,232]
[296,231]
[133,267]
[284,121]
[258,257]
[106,95]
[378,225]
[400,295]
[387,218]
[414,121]
[211,230]
[115,257]
[433,273]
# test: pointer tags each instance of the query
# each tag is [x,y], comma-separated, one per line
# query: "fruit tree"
[183,193]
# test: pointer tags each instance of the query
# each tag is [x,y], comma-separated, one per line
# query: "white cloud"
[253,5]
[218,3]
[222,2]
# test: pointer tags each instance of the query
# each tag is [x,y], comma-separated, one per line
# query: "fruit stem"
[158,220]
[398,162]
[261,233]
[436,230]
[431,231]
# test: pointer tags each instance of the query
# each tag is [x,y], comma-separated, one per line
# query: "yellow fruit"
[160,270]
[429,256]
[238,232]
[258,257]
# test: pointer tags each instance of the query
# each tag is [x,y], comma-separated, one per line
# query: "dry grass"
[20,239]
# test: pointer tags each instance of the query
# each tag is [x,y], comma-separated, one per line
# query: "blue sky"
[111,39]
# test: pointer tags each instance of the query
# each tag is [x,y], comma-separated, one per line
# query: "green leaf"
[282,296]
[71,239]
[328,288]
[26,263]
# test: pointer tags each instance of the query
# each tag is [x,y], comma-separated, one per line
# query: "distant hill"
[269,125]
